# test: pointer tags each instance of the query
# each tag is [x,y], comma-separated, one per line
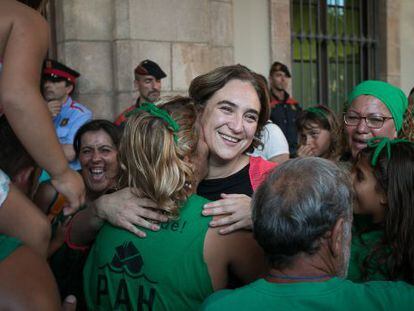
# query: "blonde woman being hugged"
[177,267]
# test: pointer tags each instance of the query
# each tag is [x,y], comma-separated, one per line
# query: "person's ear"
[69,88]
[136,84]
[337,242]
[383,199]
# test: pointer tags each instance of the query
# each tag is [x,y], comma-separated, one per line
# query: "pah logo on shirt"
[127,264]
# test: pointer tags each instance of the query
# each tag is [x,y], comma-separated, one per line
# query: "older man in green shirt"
[302,217]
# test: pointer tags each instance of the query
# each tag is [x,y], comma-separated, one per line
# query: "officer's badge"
[64,122]
[294,107]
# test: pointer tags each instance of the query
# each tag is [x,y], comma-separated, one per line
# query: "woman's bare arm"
[20,218]
[23,53]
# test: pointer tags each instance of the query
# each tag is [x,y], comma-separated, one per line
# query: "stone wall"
[105,39]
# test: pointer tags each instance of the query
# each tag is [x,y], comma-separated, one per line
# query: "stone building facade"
[106,39]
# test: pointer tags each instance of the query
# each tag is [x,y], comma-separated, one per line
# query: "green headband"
[379,143]
[159,113]
[391,96]
[319,112]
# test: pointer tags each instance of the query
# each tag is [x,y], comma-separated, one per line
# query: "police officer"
[147,81]
[284,108]
[68,116]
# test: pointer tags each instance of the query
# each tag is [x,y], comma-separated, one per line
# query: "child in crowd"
[382,240]
[319,133]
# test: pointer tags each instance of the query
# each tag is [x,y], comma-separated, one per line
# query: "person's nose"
[156,85]
[362,126]
[96,156]
[47,83]
[307,140]
[236,123]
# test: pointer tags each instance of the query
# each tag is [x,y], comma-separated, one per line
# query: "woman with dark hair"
[319,133]
[234,107]
[382,240]
[95,144]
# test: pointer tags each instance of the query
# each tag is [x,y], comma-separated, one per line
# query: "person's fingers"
[233,195]
[130,227]
[71,208]
[145,202]
[152,215]
[142,222]
[228,220]
[218,203]
[69,304]
[214,211]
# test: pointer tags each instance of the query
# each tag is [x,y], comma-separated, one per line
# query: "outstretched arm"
[22,102]
[121,209]
[20,218]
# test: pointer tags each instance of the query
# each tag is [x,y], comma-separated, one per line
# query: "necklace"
[299,278]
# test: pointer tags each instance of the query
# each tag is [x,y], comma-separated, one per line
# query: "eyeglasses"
[374,122]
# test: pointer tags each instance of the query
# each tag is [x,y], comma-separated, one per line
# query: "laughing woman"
[96,145]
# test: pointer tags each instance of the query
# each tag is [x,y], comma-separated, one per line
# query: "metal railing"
[334,48]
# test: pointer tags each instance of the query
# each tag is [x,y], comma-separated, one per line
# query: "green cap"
[390,95]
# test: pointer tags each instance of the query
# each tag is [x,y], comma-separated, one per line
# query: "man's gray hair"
[300,201]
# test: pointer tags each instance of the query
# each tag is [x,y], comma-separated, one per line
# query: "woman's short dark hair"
[95,125]
[203,87]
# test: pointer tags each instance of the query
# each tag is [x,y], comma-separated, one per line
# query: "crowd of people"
[233,197]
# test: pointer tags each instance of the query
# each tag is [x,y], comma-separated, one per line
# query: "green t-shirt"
[361,247]
[8,245]
[335,294]
[164,271]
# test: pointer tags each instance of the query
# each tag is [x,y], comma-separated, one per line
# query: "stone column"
[280,33]
[84,39]
[389,62]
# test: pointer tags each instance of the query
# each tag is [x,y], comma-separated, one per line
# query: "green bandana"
[319,112]
[159,113]
[391,96]
[379,143]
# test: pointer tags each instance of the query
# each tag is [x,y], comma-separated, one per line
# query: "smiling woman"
[96,145]
[376,108]
[234,106]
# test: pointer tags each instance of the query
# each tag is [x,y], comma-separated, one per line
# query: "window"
[334,47]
